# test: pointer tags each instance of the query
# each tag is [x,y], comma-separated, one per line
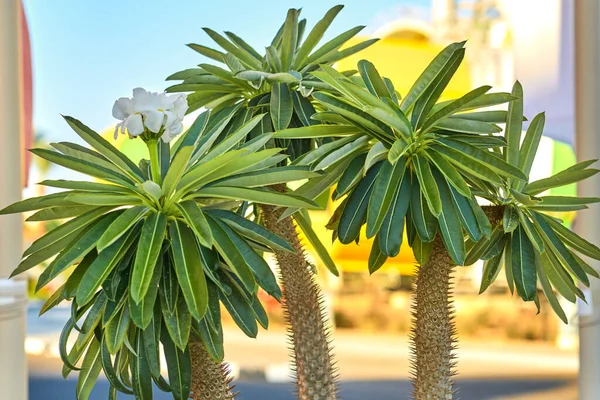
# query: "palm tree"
[279,84]
[157,247]
[419,163]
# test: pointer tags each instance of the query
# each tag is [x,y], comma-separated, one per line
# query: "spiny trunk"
[210,380]
[311,352]
[433,333]
[433,337]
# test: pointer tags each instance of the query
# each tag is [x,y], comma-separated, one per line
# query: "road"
[55,388]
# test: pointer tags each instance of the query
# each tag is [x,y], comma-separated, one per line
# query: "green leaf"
[530,230]
[304,109]
[64,230]
[90,370]
[315,242]
[372,79]
[48,214]
[103,265]
[384,191]
[555,245]
[491,269]
[424,222]
[376,258]
[574,240]
[35,203]
[464,209]
[510,281]
[76,249]
[454,107]
[205,51]
[197,221]
[514,127]
[555,272]
[467,126]
[241,312]
[141,313]
[510,219]
[468,164]
[85,186]
[179,366]
[350,176]
[493,117]
[121,225]
[322,54]
[430,96]
[428,185]
[523,265]
[270,176]
[450,173]
[450,223]
[289,38]
[104,199]
[109,369]
[148,250]
[316,131]
[252,230]
[186,261]
[106,149]
[397,150]
[548,291]
[281,107]
[315,35]
[232,256]
[433,70]
[116,330]
[481,247]
[261,270]
[176,170]
[140,370]
[530,144]
[560,179]
[356,208]
[481,156]
[178,322]
[242,55]
[392,228]
[261,196]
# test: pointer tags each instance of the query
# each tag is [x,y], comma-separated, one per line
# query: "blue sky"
[86,54]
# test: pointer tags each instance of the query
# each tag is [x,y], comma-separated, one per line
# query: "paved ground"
[371,366]
[54,388]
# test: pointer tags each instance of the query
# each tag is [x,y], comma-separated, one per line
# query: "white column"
[587,141]
[13,368]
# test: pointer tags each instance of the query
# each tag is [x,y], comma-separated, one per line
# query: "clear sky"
[86,54]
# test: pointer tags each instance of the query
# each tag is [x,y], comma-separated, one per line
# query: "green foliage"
[151,263]
[280,84]
[424,165]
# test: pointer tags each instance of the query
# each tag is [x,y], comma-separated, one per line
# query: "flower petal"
[153,120]
[134,124]
[122,108]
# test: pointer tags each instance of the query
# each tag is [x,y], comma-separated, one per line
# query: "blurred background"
[78,57]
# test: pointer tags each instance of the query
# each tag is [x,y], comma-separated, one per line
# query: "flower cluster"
[146,111]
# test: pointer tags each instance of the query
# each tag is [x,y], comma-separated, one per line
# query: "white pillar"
[587,141]
[13,368]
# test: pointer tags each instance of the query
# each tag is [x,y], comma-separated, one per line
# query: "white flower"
[150,111]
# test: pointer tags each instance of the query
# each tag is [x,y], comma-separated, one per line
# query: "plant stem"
[433,332]
[154,161]
[316,377]
[210,380]
[433,337]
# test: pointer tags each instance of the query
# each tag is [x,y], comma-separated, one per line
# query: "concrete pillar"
[13,368]
[587,142]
